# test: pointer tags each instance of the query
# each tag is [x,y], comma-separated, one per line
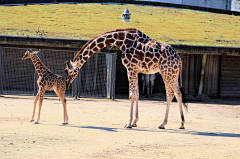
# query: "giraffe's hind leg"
[41,95]
[179,99]
[170,96]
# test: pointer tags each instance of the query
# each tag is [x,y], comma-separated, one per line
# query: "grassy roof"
[85,21]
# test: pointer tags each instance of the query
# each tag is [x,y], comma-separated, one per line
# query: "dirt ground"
[96,130]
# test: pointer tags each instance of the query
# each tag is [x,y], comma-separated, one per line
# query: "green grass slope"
[85,21]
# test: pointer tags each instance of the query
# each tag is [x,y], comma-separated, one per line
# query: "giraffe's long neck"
[122,38]
[39,66]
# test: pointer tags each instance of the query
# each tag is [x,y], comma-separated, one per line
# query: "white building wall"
[218,4]
[235,6]
[166,1]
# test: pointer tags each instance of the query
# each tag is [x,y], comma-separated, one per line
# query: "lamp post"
[126,15]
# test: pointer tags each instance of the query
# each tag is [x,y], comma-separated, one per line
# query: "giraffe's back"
[52,82]
[150,56]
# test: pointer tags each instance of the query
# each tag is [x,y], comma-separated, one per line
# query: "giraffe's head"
[72,70]
[29,53]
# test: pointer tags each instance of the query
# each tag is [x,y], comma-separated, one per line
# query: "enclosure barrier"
[96,79]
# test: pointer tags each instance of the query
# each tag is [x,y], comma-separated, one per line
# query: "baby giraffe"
[47,81]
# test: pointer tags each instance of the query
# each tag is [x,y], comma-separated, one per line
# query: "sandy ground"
[96,130]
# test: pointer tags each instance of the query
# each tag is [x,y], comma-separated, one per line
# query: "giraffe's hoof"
[127,126]
[181,127]
[36,122]
[134,125]
[31,120]
[161,127]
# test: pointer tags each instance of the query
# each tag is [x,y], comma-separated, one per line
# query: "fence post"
[202,74]
[109,58]
[1,70]
[113,80]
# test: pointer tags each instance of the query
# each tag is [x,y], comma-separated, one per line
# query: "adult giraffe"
[140,54]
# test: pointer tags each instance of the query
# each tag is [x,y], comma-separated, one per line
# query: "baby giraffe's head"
[29,53]
[72,70]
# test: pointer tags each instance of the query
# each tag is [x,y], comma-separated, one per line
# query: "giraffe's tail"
[182,89]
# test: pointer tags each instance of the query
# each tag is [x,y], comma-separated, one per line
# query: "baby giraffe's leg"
[35,103]
[65,111]
[61,95]
[41,92]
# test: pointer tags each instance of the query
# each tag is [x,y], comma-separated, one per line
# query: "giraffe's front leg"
[136,115]
[133,95]
[65,116]
[61,94]
[129,125]
[34,107]
[65,112]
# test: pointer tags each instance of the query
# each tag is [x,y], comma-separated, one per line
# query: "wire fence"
[96,79]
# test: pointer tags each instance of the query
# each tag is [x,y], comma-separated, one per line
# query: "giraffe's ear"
[71,62]
[67,64]
[35,52]
[66,72]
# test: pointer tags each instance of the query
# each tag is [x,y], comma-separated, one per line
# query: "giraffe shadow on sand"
[171,131]
[96,128]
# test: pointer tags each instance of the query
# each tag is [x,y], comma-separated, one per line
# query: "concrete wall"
[166,1]
[235,6]
[219,4]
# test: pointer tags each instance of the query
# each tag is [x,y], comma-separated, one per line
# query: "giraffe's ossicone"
[140,54]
